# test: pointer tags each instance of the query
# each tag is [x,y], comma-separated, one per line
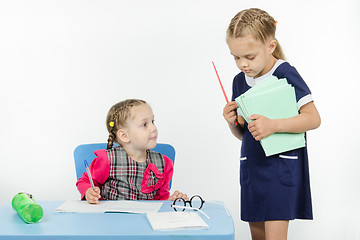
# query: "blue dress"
[275,187]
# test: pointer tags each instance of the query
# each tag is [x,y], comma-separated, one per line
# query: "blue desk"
[108,225]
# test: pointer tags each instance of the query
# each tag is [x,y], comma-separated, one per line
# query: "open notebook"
[110,206]
[275,99]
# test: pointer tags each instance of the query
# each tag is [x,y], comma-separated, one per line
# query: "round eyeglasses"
[195,202]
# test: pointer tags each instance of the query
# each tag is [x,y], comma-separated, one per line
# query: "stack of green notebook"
[273,98]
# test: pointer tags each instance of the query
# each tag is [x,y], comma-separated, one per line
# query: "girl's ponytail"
[278,52]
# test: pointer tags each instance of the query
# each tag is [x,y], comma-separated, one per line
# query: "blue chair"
[86,152]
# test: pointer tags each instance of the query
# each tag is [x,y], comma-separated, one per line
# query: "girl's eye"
[236,58]
[144,125]
[250,58]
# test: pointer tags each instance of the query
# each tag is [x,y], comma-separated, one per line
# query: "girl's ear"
[272,45]
[122,135]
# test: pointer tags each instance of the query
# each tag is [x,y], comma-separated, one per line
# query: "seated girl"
[130,171]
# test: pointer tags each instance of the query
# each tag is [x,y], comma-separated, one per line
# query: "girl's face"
[141,130]
[252,56]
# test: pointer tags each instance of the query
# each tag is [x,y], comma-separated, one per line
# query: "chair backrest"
[86,152]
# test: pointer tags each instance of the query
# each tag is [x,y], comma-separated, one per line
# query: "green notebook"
[274,99]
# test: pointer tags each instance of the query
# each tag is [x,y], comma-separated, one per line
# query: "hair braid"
[111,125]
[111,140]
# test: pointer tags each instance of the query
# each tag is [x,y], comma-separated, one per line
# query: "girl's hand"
[178,194]
[92,196]
[261,127]
[230,113]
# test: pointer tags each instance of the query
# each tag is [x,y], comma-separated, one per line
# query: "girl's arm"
[230,115]
[99,169]
[307,119]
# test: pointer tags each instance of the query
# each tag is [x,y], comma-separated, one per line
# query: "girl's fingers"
[176,194]
[230,107]
[97,191]
[184,196]
[93,196]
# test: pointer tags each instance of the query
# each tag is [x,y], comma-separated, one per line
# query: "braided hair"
[258,23]
[117,116]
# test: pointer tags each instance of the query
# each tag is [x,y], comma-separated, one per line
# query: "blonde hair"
[256,22]
[117,116]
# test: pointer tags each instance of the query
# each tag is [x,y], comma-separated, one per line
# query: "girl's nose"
[243,63]
[153,128]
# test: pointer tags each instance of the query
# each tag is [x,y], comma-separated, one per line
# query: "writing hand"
[92,196]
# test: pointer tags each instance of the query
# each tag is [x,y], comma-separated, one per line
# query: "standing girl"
[130,171]
[274,189]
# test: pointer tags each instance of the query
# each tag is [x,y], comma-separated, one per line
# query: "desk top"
[108,225]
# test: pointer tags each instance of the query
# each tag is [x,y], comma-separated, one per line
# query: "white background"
[64,63]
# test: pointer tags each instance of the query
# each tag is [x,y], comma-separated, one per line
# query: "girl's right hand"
[178,194]
[230,112]
[92,196]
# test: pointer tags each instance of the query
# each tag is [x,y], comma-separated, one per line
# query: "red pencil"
[222,88]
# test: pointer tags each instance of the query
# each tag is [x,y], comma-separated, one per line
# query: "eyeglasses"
[195,202]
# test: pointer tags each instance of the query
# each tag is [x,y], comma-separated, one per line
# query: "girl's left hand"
[261,126]
[178,194]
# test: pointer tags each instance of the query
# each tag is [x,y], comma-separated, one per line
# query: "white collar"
[253,81]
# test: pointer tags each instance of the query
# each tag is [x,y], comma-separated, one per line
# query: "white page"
[176,221]
[110,206]
[134,206]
